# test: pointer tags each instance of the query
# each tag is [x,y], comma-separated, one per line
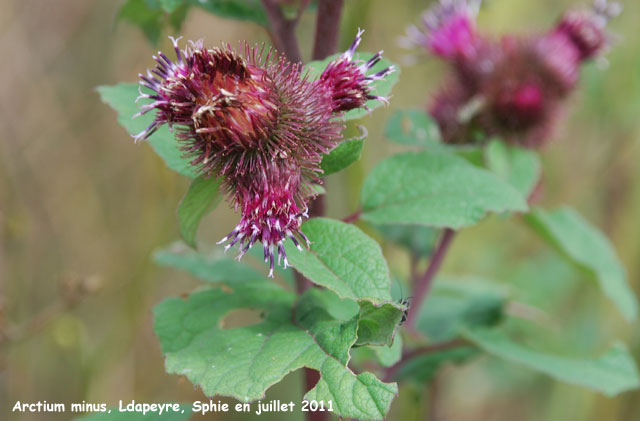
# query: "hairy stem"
[327,28]
[423,285]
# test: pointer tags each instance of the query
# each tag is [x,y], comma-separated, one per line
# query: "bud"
[449,29]
[347,82]
[586,29]
[514,87]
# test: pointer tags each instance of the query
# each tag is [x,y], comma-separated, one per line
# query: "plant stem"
[283,30]
[326,40]
[423,285]
[327,28]
[353,217]
[391,372]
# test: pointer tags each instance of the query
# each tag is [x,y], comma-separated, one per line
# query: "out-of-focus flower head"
[449,29]
[347,81]
[513,87]
[256,123]
[586,29]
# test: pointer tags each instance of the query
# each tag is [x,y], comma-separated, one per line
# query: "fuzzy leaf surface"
[243,362]
[343,259]
[587,247]
[434,189]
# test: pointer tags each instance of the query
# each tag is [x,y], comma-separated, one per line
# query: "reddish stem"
[391,372]
[353,217]
[327,28]
[423,286]
[283,30]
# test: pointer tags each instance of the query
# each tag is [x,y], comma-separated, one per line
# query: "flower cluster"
[512,87]
[254,121]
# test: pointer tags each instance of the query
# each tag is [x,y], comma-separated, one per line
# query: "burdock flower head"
[449,29]
[256,123]
[347,81]
[513,87]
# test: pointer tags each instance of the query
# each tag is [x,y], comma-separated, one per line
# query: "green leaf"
[114,414]
[243,362]
[416,238]
[380,88]
[171,5]
[434,189]
[149,20]
[250,10]
[378,323]
[454,304]
[518,166]
[122,98]
[152,16]
[343,155]
[412,127]
[343,259]
[214,268]
[202,197]
[587,247]
[423,368]
[336,335]
[611,373]
[389,355]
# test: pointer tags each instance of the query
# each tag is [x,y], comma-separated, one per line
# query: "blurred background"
[82,209]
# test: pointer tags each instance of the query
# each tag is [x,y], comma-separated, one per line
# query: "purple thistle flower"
[347,81]
[514,87]
[254,122]
[449,29]
[586,29]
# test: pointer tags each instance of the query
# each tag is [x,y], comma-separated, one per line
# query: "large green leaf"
[343,259]
[201,198]
[213,268]
[343,155]
[243,362]
[518,166]
[412,127]
[122,97]
[434,189]
[455,304]
[380,88]
[583,244]
[611,373]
